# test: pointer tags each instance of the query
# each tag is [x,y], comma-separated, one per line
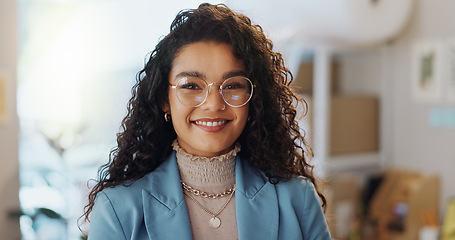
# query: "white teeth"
[210,124]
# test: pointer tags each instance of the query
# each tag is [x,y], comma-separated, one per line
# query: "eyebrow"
[234,74]
[189,74]
[202,76]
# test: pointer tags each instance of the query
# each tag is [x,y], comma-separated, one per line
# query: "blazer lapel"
[166,214]
[256,204]
[165,211]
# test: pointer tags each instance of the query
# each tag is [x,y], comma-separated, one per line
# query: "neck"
[207,173]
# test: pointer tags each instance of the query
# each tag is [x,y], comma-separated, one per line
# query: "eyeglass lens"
[193,91]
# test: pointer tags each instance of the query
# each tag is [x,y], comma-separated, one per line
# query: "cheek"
[180,114]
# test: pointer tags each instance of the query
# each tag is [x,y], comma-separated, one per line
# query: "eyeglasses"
[193,91]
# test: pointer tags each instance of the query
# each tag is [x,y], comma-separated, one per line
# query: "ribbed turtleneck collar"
[207,172]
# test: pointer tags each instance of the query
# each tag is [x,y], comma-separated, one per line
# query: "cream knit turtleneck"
[211,175]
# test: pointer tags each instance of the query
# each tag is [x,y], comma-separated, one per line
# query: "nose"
[214,100]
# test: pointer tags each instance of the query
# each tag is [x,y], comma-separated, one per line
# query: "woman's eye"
[234,86]
[190,86]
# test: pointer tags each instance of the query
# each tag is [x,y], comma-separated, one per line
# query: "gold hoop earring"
[167,117]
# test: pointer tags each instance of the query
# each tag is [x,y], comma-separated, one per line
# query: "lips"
[211,125]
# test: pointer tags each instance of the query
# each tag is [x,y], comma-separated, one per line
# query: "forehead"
[208,59]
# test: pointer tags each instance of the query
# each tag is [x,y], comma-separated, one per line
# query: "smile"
[210,124]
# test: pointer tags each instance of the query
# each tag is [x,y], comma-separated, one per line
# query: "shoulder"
[298,197]
[298,193]
[128,192]
[296,185]
[158,180]
[122,200]
[117,210]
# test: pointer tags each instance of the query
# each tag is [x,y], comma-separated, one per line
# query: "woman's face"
[213,62]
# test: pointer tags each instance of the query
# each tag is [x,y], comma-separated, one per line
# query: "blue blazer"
[154,208]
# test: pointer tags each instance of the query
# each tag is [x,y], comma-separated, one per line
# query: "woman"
[210,146]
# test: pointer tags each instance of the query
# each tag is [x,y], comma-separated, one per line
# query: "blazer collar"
[165,211]
[166,214]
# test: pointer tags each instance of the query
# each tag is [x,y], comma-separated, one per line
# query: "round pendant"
[215,222]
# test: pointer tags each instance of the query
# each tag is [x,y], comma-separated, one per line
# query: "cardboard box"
[354,124]
[418,195]
[303,81]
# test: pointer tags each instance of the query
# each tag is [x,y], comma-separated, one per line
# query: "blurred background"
[378,76]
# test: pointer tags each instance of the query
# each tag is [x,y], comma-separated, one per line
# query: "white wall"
[9,177]
[410,141]
[417,145]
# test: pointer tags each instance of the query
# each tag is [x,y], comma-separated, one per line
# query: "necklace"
[214,222]
[205,194]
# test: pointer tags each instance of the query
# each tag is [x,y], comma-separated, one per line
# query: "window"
[77,63]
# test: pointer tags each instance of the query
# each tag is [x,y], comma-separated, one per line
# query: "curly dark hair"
[271,140]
